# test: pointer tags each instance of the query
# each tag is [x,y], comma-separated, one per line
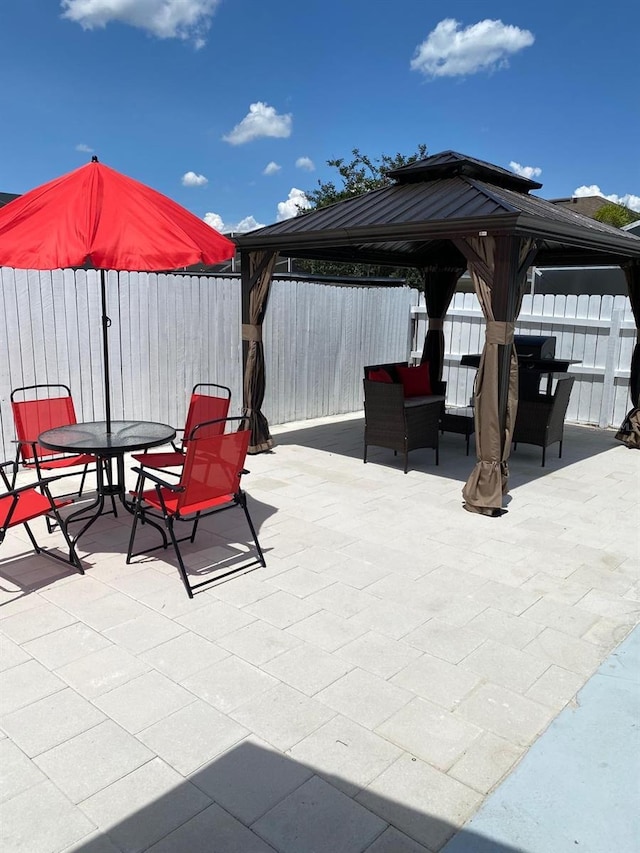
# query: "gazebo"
[442,215]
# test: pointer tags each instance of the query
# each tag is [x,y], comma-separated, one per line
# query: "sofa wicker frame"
[540,421]
[398,423]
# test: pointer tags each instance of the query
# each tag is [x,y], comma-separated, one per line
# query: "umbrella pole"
[106,322]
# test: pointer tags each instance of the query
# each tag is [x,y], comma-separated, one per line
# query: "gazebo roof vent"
[449,164]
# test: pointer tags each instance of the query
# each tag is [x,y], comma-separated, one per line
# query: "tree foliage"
[616,215]
[359,175]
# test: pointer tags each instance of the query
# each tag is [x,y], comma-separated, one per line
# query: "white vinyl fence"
[598,331]
[170,331]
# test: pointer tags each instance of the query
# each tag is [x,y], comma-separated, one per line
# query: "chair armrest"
[35,484]
[147,475]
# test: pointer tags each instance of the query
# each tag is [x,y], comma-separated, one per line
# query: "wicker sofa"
[398,422]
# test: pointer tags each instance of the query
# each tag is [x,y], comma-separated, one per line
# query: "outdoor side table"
[458,420]
[93,438]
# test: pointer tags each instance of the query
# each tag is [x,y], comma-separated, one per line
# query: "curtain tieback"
[251,332]
[499,332]
[436,324]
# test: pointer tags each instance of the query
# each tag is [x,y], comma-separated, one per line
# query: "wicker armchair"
[398,423]
[540,421]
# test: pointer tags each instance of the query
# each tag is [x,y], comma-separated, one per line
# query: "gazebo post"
[256,272]
[506,306]
[439,286]
[632,274]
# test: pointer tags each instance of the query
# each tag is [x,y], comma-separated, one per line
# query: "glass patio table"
[93,438]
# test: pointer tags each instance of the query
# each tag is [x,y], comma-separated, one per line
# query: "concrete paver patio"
[365,691]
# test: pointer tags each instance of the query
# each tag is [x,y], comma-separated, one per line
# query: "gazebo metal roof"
[432,201]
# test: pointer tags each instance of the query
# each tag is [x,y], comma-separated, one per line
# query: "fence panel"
[317,339]
[170,331]
[597,331]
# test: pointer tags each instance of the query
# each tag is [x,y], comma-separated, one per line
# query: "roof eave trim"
[385,233]
[594,240]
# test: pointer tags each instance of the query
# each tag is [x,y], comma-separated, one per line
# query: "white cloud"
[291,207]
[190,179]
[184,19]
[450,51]
[305,163]
[249,223]
[271,168]
[525,171]
[628,199]
[84,148]
[261,120]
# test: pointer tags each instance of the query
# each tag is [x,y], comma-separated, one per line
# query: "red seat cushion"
[171,502]
[415,380]
[379,375]
[31,504]
[62,462]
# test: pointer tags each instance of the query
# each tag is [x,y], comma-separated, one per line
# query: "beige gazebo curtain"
[632,274]
[256,273]
[498,269]
[439,286]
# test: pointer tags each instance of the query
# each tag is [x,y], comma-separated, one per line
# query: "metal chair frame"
[38,457]
[194,415]
[18,495]
[47,460]
[209,430]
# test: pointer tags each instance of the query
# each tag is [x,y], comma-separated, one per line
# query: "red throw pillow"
[379,375]
[415,380]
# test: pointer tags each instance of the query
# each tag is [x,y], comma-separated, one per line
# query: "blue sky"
[233,107]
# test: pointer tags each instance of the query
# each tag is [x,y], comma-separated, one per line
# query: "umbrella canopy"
[97,216]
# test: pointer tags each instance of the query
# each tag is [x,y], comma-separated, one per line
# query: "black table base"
[93,438]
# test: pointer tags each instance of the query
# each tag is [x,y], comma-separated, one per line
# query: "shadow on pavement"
[346,438]
[254,800]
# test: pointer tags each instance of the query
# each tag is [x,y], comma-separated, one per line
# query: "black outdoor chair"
[540,421]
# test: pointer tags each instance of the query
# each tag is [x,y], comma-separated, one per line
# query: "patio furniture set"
[196,478]
[405,411]
[200,476]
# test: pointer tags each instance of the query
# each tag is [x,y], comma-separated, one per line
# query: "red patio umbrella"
[99,217]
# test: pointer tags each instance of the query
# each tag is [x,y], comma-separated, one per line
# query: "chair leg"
[364,458]
[139,516]
[437,453]
[181,567]
[194,528]
[560,450]
[544,454]
[134,526]
[406,461]
[73,560]
[242,500]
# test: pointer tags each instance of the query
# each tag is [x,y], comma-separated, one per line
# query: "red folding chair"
[203,408]
[24,504]
[37,408]
[209,483]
